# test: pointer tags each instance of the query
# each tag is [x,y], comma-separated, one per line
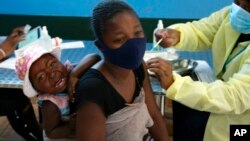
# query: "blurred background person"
[13,103]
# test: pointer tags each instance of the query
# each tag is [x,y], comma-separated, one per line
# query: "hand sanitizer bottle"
[159,26]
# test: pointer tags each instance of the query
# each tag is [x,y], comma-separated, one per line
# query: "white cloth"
[129,123]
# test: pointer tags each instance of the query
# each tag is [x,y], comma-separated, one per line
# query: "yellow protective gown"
[228,100]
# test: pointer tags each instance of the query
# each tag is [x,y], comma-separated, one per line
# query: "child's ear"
[98,44]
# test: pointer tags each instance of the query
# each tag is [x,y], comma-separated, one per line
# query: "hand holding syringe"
[167,37]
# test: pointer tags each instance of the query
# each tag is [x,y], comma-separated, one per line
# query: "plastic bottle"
[159,26]
[45,31]
[56,41]
[45,39]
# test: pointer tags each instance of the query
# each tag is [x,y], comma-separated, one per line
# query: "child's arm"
[53,125]
[88,61]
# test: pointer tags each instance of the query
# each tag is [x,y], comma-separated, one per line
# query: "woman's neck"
[116,71]
[112,70]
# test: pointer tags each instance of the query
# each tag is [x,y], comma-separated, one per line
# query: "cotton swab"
[158,42]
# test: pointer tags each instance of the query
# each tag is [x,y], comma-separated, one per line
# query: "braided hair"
[103,12]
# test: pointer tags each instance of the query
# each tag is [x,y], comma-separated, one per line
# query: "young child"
[114,99]
[44,75]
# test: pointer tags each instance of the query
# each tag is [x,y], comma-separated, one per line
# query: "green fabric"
[228,100]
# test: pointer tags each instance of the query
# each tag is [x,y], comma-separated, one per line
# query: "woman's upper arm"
[90,123]
[154,112]
[149,95]
[90,119]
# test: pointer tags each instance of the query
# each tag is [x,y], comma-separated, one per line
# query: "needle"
[158,42]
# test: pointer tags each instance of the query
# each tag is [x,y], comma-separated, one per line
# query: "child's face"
[120,28]
[48,75]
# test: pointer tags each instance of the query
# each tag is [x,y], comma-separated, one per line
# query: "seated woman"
[115,100]
[44,75]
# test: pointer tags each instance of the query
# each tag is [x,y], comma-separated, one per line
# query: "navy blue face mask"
[128,56]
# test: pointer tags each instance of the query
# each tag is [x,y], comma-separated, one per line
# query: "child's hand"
[78,71]
[71,87]
[73,116]
[72,121]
